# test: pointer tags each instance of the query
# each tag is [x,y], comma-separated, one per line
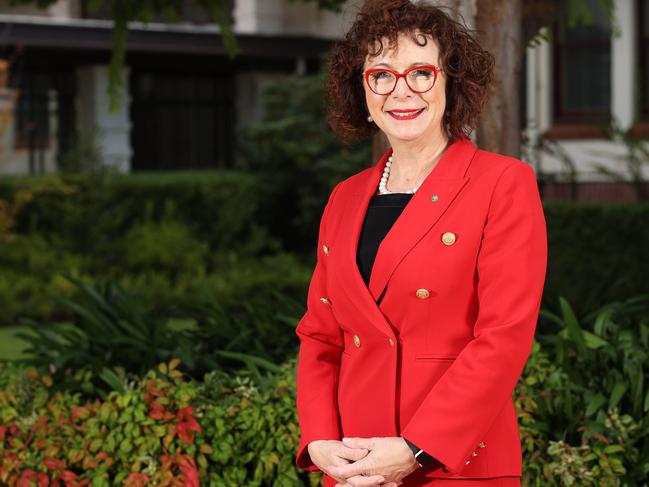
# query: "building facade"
[586,79]
[185,101]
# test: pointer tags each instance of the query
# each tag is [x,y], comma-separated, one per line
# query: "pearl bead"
[384,179]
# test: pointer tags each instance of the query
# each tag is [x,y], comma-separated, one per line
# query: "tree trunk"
[499,23]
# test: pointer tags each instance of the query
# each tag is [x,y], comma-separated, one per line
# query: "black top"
[382,211]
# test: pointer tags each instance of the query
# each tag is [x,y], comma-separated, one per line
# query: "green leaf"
[618,392]
[112,379]
[572,325]
[595,404]
[592,341]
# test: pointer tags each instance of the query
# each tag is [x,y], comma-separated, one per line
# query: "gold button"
[357,341]
[482,444]
[325,300]
[325,249]
[448,238]
[467,462]
[422,293]
[475,454]
[391,342]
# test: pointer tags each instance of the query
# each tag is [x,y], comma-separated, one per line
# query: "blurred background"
[163,168]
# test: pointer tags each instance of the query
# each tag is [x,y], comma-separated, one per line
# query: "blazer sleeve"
[318,366]
[511,266]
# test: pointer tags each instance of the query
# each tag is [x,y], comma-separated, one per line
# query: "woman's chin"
[405,134]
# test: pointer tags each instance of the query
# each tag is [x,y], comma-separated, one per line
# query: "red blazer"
[461,275]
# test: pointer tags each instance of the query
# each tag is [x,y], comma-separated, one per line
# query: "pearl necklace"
[383,189]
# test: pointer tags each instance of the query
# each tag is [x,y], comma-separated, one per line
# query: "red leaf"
[26,478]
[43,480]
[156,414]
[156,406]
[68,476]
[53,464]
[184,434]
[137,479]
[188,469]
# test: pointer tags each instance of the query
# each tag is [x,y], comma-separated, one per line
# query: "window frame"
[642,50]
[567,117]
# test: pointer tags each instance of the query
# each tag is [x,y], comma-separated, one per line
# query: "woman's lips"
[405,114]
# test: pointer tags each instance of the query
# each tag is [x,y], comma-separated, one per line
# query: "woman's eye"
[422,72]
[381,75]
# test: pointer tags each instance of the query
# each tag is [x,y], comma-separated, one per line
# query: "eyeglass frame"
[404,75]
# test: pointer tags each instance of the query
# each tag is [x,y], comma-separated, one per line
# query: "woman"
[430,269]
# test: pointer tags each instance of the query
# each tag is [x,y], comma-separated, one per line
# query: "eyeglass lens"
[383,82]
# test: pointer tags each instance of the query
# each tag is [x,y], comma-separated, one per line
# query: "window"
[181,121]
[643,54]
[582,67]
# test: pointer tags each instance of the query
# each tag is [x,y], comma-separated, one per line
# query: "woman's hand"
[330,454]
[390,458]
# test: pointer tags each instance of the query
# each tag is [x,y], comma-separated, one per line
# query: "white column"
[53,146]
[94,115]
[258,16]
[623,54]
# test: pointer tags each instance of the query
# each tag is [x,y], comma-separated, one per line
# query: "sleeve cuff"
[423,458]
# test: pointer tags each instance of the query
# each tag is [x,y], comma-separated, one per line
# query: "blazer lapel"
[428,204]
[350,229]
[425,208]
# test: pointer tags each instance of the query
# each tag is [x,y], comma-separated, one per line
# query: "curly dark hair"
[468,67]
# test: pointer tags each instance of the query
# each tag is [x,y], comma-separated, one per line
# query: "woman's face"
[432,103]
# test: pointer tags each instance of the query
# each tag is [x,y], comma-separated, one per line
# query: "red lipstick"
[405,117]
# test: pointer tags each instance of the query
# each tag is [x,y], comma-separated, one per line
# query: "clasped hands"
[364,462]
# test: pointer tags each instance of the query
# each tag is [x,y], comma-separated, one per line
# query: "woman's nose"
[401,88]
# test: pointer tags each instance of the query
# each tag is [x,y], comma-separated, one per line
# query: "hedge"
[178,224]
[228,430]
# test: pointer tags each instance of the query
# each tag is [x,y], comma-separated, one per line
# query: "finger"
[363,481]
[352,453]
[358,442]
[349,470]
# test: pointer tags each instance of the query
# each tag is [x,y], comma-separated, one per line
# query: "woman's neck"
[412,162]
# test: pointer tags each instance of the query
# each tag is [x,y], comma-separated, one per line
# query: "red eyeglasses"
[419,79]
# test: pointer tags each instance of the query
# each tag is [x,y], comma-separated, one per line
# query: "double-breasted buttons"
[448,238]
[325,300]
[325,249]
[391,342]
[422,293]
[482,444]
[357,341]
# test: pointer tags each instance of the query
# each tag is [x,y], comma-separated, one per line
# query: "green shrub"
[159,430]
[116,329]
[90,214]
[232,430]
[596,254]
[295,153]
[166,247]
[26,295]
[584,403]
